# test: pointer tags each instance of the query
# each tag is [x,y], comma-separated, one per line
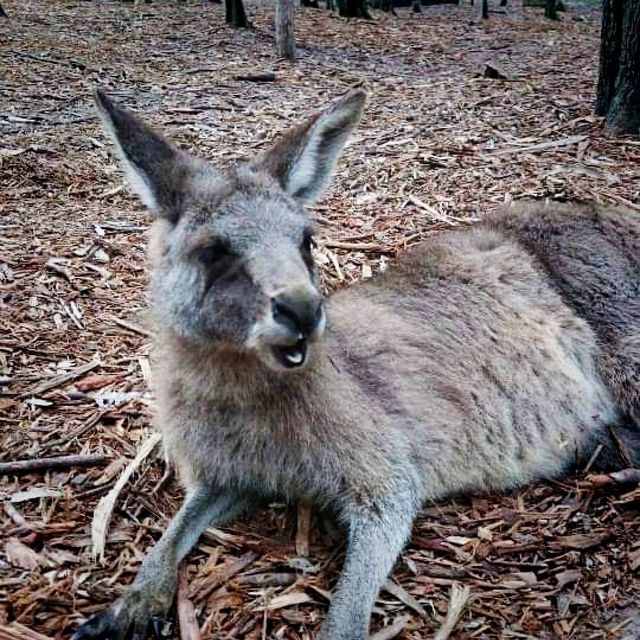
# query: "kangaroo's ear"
[158,172]
[304,158]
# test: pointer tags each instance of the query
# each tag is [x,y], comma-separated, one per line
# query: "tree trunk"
[619,82]
[353,9]
[551,10]
[285,39]
[484,9]
[234,13]
[541,4]
[611,40]
[383,5]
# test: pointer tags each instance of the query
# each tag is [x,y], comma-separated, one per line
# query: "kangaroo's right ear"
[158,172]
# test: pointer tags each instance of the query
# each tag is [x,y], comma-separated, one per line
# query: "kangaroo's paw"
[132,616]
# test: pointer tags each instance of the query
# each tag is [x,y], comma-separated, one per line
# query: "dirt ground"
[441,145]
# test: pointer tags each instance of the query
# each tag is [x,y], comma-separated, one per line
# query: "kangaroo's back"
[591,254]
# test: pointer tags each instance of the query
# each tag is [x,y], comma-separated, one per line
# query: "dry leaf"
[20,555]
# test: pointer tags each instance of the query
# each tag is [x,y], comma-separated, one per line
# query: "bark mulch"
[462,117]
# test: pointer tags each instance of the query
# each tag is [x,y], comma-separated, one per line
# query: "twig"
[258,77]
[104,509]
[357,246]
[457,601]
[59,380]
[189,72]
[406,598]
[89,424]
[17,631]
[392,630]
[430,210]
[625,476]
[222,574]
[50,464]
[70,63]
[136,328]
[543,146]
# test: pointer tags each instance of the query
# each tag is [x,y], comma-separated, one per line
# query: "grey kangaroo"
[487,358]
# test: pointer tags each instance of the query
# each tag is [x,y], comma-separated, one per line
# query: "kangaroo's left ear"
[304,158]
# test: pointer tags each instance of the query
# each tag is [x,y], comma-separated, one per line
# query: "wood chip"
[457,601]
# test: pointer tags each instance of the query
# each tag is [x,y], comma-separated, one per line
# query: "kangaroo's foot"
[139,611]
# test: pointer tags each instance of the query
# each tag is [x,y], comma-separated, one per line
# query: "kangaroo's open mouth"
[292,356]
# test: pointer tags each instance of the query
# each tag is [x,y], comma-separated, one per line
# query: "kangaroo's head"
[231,253]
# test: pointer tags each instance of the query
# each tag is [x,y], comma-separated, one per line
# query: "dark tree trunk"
[234,13]
[542,4]
[384,5]
[611,41]
[484,9]
[551,10]
[619,82]
[353,9]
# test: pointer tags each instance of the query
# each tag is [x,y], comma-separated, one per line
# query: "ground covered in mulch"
[441,145]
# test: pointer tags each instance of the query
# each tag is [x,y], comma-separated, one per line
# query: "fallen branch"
[258,77]
[357,246]
[59,380]
[542,146]
[104,509]
[50,464]
[70,63]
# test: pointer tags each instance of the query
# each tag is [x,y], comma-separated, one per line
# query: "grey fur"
[486,359]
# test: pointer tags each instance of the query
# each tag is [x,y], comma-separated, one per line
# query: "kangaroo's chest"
[245,450]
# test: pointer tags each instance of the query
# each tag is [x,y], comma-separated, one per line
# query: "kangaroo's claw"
[157,623]
[129,618]
[100,626]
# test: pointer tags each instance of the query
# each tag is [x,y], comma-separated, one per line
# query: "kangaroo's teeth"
[295,357]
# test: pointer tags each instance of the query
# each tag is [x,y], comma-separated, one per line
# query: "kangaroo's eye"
[305,250]
[213,253]
[307,242]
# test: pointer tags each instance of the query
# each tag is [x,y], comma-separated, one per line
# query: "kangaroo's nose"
[298,310]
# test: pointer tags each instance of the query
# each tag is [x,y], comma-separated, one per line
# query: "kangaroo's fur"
[486,358]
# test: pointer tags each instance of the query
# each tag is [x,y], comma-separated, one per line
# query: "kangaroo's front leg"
[377,535]
[151,594]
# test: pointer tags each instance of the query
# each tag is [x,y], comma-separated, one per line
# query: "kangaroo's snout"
[300,310]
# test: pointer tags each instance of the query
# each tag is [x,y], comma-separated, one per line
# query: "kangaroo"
[487,358]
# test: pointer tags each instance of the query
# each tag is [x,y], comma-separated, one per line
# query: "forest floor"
[441,145]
